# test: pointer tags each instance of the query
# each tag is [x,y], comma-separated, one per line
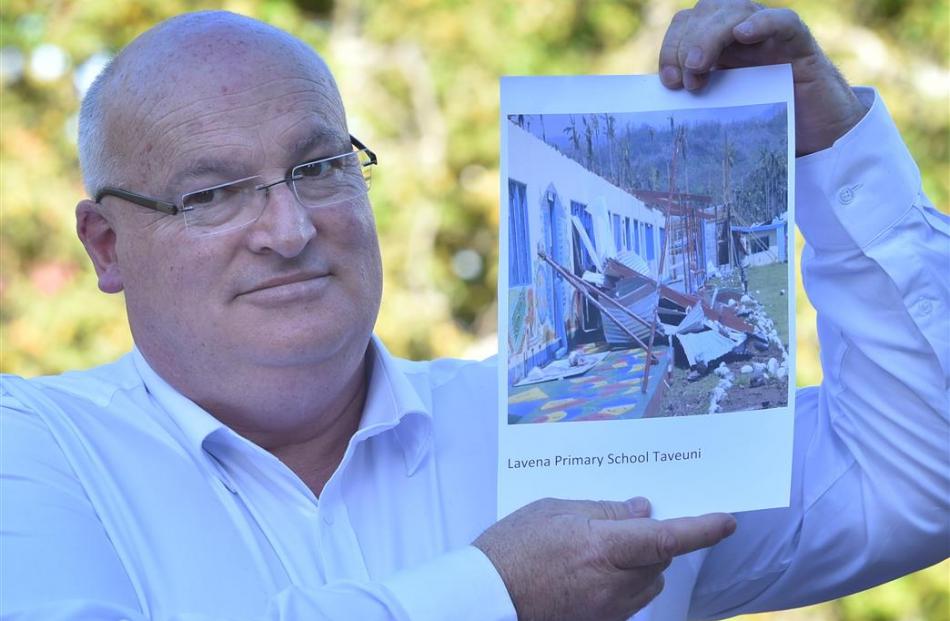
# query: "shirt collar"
[392,402]
[195,423]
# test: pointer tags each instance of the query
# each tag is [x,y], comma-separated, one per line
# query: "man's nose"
[285,226]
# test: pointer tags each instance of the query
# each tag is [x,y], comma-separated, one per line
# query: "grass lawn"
[765,283]
[687,398]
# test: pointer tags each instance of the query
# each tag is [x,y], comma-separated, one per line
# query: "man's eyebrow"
[327,141]
[320,142]
[205,167]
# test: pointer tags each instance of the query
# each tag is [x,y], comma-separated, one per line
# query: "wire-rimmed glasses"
[227,206]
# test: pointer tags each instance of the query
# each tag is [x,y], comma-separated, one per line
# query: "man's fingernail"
[745,29]
[691,82]
[670,75]
[694,60]
[730,527]
[639,505]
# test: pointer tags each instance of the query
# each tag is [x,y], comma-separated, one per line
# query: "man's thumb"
[636,507]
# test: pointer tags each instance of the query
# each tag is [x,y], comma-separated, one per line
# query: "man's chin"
[324,342]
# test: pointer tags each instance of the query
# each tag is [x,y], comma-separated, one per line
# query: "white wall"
[541,167]
[538,165]
[763,257]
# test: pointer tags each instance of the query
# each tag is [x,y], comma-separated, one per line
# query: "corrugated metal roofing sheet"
[704,346]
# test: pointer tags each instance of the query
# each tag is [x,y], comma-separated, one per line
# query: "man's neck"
[316,418]
[305,416]
[314,457]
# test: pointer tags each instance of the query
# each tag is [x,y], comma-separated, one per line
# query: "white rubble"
[722,370]
[718,393]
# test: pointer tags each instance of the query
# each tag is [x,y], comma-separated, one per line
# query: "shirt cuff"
[461,585]
[850,193]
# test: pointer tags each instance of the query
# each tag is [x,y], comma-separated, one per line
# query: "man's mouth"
[286,285]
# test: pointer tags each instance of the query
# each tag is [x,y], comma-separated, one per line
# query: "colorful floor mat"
[609,391]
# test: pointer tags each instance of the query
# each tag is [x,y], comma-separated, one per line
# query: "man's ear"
[98,237]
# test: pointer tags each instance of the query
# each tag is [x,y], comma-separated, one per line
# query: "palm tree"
[611,124]
[589,135]
[571,132]
[775,184]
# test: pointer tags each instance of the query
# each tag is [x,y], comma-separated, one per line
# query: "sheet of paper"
[646,291]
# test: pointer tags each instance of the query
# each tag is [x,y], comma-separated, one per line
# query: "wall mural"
[522,319]
[517,313]
[541,282]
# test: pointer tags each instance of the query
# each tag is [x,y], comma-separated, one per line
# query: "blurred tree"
[420,78]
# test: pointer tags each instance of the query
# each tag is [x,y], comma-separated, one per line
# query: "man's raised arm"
[871,474]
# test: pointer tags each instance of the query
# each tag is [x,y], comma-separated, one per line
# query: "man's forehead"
[203,69]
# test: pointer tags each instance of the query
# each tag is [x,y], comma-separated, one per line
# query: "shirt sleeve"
[462,585]
[58,564]
[871,471]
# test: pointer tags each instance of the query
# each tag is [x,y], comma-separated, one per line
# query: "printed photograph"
[647,263]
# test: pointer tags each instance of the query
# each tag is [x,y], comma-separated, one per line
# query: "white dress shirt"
[122,499]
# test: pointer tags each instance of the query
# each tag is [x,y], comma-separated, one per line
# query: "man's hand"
[577,560]
[741,33]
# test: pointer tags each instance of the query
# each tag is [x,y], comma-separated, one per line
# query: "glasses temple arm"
[151,203]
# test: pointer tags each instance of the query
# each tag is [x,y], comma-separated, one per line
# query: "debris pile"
[751,310]
[717,394]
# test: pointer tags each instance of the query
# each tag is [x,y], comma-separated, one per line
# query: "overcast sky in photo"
[556,124]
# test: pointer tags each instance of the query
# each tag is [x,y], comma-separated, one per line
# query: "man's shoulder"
[42,418]
[96,386]
[462,399]
[452,374]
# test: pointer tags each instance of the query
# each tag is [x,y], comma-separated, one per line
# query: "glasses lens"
[223,207]
[332,180]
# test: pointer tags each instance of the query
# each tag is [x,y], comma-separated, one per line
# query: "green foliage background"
[420,78]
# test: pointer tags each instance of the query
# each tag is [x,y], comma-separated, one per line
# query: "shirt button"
[924,308]
[328,519]
[847,193]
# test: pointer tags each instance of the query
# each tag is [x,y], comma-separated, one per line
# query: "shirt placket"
[285,512]
[339,546]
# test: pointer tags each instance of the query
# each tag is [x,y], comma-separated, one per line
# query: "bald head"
[181,67]
[222,108]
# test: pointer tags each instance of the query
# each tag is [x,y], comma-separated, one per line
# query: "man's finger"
[670,71]
[639,507]
[701,42]
[783,25]
[694,533]
[638,543]
[695,81]
[698,53]
[636,507]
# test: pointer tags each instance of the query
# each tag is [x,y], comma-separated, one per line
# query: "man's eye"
[202,198]
[212,197]
[314,169]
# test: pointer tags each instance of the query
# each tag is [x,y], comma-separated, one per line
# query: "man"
[260,456]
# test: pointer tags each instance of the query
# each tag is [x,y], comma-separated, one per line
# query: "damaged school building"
[593,266]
